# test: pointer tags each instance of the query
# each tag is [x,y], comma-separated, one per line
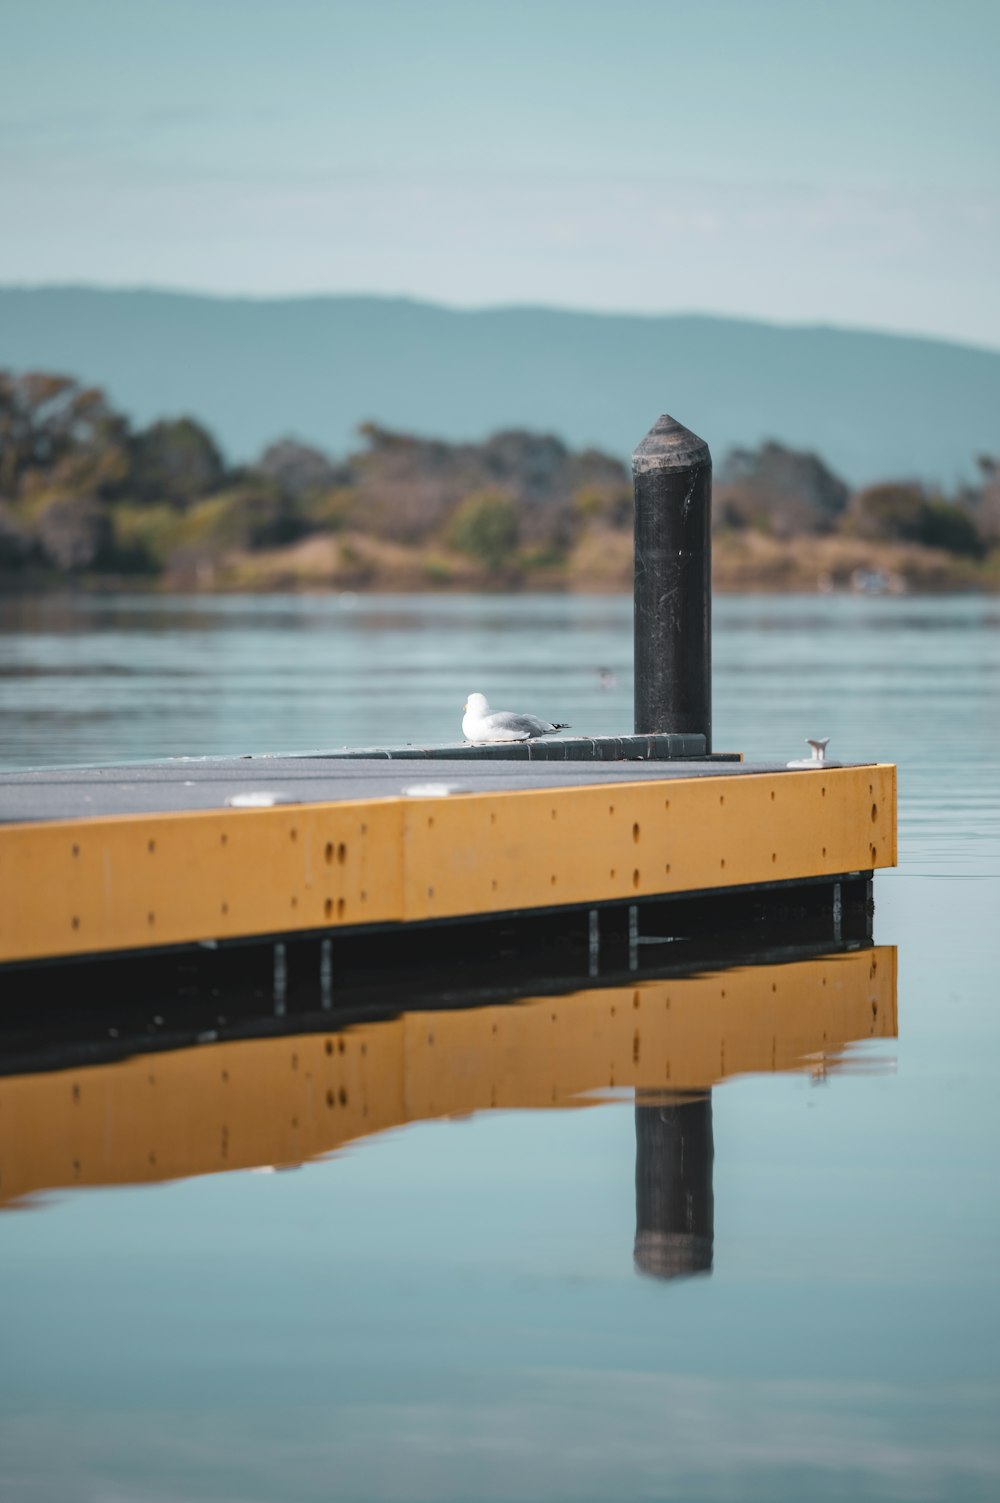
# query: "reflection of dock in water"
[287,1099]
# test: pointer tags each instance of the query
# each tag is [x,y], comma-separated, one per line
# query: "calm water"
[448,1308]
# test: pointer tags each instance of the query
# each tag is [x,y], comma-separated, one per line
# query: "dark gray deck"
[207,783]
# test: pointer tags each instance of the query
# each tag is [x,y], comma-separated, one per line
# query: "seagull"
[481,724]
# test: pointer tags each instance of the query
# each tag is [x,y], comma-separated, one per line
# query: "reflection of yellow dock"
[283,1100]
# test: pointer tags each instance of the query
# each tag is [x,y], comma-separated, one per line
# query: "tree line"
[83,492]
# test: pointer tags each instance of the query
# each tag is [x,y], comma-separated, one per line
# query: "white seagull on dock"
[481,724]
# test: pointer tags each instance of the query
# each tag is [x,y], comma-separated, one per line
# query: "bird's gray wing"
[518,725]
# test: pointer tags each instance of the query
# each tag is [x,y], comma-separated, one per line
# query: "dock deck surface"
[186,785]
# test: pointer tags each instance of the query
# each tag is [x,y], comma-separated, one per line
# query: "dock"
[293,880]
[110,861]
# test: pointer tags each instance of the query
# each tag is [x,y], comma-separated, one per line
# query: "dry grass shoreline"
[601,564]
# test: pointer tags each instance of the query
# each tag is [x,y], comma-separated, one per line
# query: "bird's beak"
[466,705]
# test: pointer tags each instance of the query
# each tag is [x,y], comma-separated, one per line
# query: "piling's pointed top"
[669,446]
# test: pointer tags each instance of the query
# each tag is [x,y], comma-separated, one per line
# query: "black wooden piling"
[672,475]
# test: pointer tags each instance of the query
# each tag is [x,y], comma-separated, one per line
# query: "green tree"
[607,503]
[254,514]
[175,460]
[56,435]
[486,526]
[782,491]
[300,471]
[984,502]
[904,513]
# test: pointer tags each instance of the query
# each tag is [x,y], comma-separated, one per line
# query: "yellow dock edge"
[97,886]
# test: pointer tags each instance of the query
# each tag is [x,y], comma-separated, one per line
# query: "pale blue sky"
[785,159]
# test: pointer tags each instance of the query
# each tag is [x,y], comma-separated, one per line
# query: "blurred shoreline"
[749,564]
[89,502]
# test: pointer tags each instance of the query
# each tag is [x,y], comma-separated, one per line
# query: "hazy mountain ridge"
[873,405]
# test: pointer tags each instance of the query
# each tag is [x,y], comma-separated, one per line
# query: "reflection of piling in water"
[674,1200]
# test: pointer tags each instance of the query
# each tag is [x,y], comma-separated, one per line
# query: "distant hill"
[873,405]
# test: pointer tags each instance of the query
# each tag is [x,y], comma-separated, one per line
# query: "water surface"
[448,1308]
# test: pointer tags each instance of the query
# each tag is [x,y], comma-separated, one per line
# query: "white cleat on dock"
[481,725]
[818,758]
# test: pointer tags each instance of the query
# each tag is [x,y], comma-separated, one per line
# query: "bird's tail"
[561,725]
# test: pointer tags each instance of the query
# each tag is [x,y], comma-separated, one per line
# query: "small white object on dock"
[818,758]
[260,799]
[433,790]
